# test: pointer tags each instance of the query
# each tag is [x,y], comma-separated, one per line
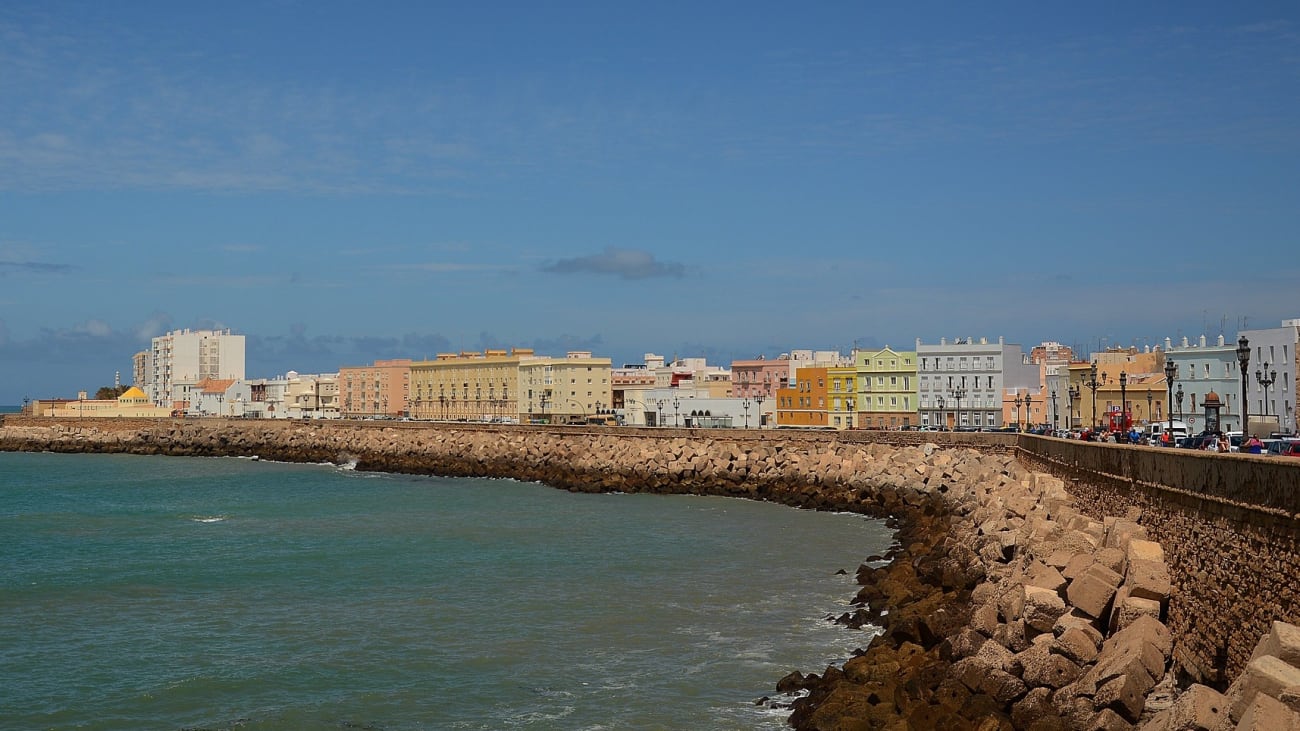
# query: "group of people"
[1217,442]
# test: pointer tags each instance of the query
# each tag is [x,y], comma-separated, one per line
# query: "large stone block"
[1042,607]
[1077,645]
[1147,576]
[1092,592]
[1265,674]
[1265,713]
[1282,642]
[1199,708]
[1125,694]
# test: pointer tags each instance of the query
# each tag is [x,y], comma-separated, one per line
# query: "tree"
[110,392]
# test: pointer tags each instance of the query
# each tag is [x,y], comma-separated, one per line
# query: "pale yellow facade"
[842,396]
[468,386]
[565,390]
[134,403]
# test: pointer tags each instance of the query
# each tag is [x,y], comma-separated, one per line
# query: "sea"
[141,592]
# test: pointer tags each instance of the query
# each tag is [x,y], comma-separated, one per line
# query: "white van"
[1156,432]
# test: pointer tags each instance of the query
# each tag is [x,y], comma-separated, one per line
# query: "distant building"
[565,390]
[961,383]
[381,389]
[803,403]
[468,386]
[1274,350]
[141,368]
[134,403]
[887,386]
[182,358]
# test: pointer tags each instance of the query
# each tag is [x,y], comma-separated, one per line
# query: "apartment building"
[469,385]
[378,390]
[887,387]
[803,403]
[565,390]
[182,358]
[961,383]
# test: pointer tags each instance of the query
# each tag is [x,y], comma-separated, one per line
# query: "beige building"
[571,389]
[134,403]
[467,386]
[381,389]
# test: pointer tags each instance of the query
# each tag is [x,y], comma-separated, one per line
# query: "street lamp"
[1178,396]
[958,393]
[1148,406]
[945,421]
[1243,356]
[745,404]
[1123,404]
[1171,371]
[1019,401]
[1029,400]
[660,403]
[759,400]
[1073,392]
[677,411]
[1092,383]
[1056,415]
[1265,381]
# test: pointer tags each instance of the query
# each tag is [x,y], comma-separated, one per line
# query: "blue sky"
[345,181]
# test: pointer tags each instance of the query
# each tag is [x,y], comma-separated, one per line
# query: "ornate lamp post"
[1093,384]
[1265,381]
[676,411]
[1056,415]
[1148,406]
[1073,392]
[1243,356]
[940,415]
[759,400]
[959,394]
[1019,401]
[1178,396]
[745,404]
[1123,402]
[1171,371]
[1029,400]
[660,403]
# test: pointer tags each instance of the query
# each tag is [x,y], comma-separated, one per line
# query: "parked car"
[1284,448]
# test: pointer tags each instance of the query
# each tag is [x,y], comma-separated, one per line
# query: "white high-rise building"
[182,358]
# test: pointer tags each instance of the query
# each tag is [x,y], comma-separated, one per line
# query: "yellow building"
[567,390]
[468,386]
[842,396]
[887,388]
[131,404]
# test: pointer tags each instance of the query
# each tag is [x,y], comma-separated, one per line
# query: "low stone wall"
[1230,528]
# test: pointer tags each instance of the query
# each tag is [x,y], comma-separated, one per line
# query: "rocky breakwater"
[1001,605]
[1025,614]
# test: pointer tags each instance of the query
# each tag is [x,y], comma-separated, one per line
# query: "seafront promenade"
[1035,583]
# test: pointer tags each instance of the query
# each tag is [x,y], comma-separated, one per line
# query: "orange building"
[382,389]
[803,404]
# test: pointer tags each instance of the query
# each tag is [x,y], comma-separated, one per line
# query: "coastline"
[968,523]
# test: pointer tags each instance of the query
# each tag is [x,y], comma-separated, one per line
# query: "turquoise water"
[169,593]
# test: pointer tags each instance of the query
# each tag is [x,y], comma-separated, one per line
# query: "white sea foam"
[208,518]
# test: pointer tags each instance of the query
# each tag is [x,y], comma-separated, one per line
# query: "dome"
[133,394]
[1212,398]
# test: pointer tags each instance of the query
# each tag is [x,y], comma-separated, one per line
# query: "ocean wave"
[208,518]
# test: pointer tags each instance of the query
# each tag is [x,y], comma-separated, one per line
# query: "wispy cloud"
[39,267]
[622,263]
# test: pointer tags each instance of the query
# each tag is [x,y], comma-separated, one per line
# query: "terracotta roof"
[214,385]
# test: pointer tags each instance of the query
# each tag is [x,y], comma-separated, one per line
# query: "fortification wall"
[1230,528]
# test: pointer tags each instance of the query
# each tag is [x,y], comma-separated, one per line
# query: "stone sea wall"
[1008,602]
[1230,528]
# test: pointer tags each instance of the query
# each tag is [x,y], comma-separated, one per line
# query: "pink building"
[762,377]
[381,389]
